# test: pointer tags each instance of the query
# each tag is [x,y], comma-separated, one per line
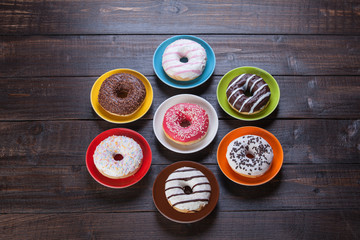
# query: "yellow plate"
[112,117]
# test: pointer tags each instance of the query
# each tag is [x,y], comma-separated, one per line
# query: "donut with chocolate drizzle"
[187,190]
[248,94]
[122,94]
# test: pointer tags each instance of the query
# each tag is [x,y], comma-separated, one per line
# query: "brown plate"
[165,208]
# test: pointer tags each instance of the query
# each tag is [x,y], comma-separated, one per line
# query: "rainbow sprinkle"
[111,146]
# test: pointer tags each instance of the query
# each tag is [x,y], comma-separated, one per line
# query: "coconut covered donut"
[187,190]
[248,94]
[250,155]
[184,60]
[115,147]
[186,123]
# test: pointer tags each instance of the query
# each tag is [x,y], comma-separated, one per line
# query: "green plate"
[224,82]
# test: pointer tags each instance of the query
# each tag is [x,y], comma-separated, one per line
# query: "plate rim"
[216,122]
[149,95]
[116,131]
[220,162]
[214,197]
[167,42]
[243,117]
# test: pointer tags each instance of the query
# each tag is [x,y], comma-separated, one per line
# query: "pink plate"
[123,182]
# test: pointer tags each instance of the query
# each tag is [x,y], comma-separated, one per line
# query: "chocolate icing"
[185,179]
[248,82]
[180,194]
[192,200]
[122,94]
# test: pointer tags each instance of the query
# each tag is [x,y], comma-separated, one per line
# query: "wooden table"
[51,52]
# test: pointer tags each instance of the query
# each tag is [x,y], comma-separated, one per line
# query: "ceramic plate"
[231,174]
[185,98]
[125,182]
[165,208]
[112,117]
[208,71]
[226,79]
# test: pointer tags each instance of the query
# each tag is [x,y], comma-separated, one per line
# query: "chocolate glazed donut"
[122,94]
[248,94]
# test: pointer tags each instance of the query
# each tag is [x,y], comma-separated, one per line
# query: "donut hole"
[187,190]
[248,93]
[249,155]
[121,93]
[184,59]
[118,157]
[185,123]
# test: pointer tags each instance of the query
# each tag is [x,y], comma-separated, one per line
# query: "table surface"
[51,52]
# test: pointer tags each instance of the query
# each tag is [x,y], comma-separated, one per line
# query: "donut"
[187,190]
[185,123]
[248,94]
[115,147]
[121,94]
[184,60]
[249,155]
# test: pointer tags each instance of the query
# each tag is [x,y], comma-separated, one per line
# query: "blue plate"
[208,71]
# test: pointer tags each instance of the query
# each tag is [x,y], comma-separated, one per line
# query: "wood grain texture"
[64,189]
[52,51]
[65,142]
[57,98]
[30,56]
[219,225]
[174,17]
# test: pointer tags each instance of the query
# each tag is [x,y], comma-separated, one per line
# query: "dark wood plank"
[65,142]
[51,52]
[174,17]
[93,55]
[330,224]
[56,98]
[63,189]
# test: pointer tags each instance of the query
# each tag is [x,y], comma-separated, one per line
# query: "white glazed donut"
[250,155]
[187,190]
[127,147]
[184,71]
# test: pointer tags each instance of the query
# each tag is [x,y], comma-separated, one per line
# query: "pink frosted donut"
[184,60]
[186,123]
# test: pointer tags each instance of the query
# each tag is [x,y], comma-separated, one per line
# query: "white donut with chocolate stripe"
[187,190]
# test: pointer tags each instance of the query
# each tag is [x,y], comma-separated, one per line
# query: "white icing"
[262,86]
[201,191]
[240,163]
[195,54]
[248,99]
[238,89]
[243,88]
[108,148]
[255,83]
[247,82]
[237,99]
[236,80]
[258,101]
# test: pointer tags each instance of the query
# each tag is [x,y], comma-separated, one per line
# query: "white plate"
[185,98]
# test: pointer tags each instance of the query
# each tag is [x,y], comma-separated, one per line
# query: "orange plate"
[231,174]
